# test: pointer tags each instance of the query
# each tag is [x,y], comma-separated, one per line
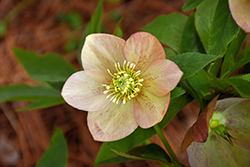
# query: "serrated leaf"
[193,62]
[139,135]
[26,93]
[241,83]
[168,29]
[190,40]
[152,152]
[191,4]
[232,53]
[57,153]
[213,22]
[49,67]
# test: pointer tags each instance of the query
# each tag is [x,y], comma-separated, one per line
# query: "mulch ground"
[24,136]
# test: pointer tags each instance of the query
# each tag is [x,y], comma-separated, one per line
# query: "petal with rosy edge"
[199,130]
[161,77]
[150,109]
[83,90]
[197,155]
[113,122]
[240,10]
[238,122]
[143,49]
[102,51]
[222,153]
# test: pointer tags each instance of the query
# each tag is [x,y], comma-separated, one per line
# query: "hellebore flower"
[221,135]
[240,10]
[124,84]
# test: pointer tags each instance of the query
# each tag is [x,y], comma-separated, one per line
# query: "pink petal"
[161,77]
[199,131]
[143,49]
[150,109]
[113,122]
[102,51]
[240,10]
[83,90]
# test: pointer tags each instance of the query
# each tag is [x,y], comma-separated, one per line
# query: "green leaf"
[169,53]
[214,21]
[177,92]
[95,23]
[26,93]
[241,84]
[190,4]
[118,31]
[49,67]
[243,59]
[151,152]
[3,28]
[139,135]
[73,18]
[200,83]
[57,153]
[190,40]
[71,45]
[232,53]
[44,103]
[58,85]
[193,62]
[168,29]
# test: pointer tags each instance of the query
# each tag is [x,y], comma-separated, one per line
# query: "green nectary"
[125,85]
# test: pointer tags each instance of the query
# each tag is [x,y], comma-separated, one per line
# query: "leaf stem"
[165,142]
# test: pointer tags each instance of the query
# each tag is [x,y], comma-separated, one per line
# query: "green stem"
[166,144]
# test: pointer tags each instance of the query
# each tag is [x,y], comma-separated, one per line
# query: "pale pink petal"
[197,155]
[83,90]
[240,10]
[113,122]
[102,51]
[150,109]
[143,49]
[161,77]
[238,121]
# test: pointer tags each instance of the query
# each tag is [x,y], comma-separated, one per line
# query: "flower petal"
[143,49]
[240,10]
[102,51]
[150,109]
[197,155]
[238,122]
[161,77]
[83,90]
[113,122]
[222,153]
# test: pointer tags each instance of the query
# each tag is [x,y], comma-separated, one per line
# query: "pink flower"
[124,84]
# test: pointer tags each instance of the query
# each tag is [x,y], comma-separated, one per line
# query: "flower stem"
[165,142]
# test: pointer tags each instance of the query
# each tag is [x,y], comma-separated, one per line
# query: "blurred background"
[57,26]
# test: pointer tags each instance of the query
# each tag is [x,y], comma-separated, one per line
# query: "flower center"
[125,84]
